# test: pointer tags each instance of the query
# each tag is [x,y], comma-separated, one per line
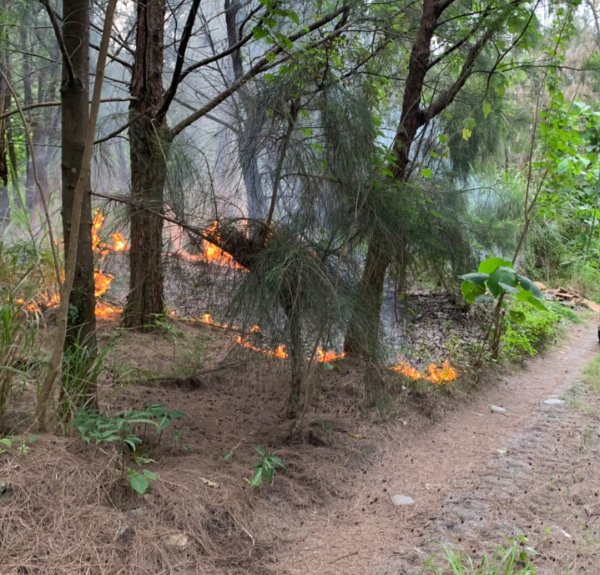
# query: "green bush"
[526,333]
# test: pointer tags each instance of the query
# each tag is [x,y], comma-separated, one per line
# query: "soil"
[476,476]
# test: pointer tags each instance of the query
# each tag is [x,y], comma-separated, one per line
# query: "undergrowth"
[591,374]
[529,330]
[513,558]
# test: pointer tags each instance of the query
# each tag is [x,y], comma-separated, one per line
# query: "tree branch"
[181,50]
[54,20]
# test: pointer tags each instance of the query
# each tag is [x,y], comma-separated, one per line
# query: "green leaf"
[259,33]
[257,479]
[6,442]
[490,265]
[528,297]
[466,134]
[501,277]
[487,108]
[138,482]
[471,291]
[516,316]
[475,277]
[427,172]
[528,285]
[508,288]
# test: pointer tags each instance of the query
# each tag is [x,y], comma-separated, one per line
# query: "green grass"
[514,558]
[591,374]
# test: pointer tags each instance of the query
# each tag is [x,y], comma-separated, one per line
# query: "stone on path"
[402,500]
[553,401]
[498,409]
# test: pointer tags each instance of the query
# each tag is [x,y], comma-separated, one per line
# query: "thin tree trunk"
[76,11]
[81,327]
[149,145]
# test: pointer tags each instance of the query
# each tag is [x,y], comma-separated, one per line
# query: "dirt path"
[476,477]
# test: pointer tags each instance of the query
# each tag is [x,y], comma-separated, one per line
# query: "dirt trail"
[476,477]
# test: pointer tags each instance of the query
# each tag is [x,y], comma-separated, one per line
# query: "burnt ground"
[475,476]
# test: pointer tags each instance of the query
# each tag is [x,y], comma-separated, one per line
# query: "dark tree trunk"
[363,331]
[81,330]
[148,154]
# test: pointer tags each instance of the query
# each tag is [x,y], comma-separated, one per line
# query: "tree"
[73,328]
[151,137]
[462,32]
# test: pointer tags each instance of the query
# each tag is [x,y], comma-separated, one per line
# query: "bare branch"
[54,20]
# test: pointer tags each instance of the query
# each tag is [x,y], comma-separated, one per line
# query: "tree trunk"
[148,153]
[362,336]
[81,328]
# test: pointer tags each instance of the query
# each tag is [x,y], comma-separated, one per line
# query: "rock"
[400,500]
[178,540]
[6,489]
[553,401]
[135,513]
[124,533]
[498,409]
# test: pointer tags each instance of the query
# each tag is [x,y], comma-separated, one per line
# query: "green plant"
[19,444]
[82,367]
[15,339]
[510,559]
[524,335]
[123,431]
[165,324]
[497,279]
[265,468]
[591,374]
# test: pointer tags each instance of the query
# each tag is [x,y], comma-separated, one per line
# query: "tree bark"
[148,142]
[76,13]
[81,327]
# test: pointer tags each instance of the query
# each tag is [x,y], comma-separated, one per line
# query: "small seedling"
[120,431]
[139,481]
[265,468]
[19,444]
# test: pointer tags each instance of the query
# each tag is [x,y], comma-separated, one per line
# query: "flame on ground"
[437,375]
[323,356]
[279,352]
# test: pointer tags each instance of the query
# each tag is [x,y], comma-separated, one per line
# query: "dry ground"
[475,476]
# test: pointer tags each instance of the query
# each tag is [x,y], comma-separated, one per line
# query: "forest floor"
[476,476]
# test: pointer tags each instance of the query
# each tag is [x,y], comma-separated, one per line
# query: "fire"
[437,375]
[279,352]
[407,370]
[208,320]
[107,311]
[119,243]
[214,254]
[323,356]
[102,282]
[443,374]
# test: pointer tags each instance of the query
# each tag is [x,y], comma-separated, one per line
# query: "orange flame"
[107,311]
[214,254]
[443,374]
[119,243]
[279,352]
[323,356]
[436,375]
[102,282]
